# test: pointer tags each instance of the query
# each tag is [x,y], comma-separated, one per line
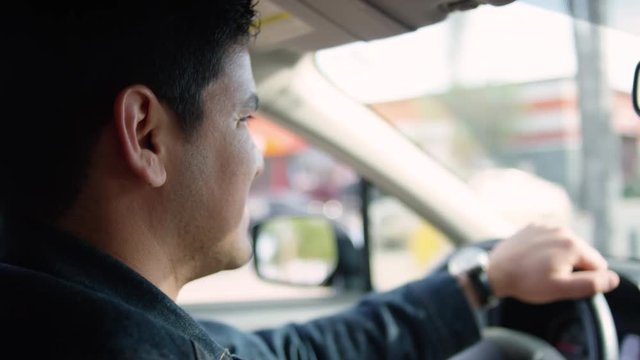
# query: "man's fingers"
[589,258]
[582,284]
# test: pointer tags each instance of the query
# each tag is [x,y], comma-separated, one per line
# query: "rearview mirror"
[295,250]
[636,90]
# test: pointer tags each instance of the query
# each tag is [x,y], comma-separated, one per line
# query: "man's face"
[213,173]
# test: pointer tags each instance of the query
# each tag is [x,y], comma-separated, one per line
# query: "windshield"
[530,106]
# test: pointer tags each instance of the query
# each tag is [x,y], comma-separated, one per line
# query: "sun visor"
[305,25]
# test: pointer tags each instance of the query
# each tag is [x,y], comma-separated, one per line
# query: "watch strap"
[480,282]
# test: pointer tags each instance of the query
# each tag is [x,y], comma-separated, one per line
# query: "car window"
[298,179]
[521,112]
[404,246]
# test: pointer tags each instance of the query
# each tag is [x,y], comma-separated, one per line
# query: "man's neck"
[130,239]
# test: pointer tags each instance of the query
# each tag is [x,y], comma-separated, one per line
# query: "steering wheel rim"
[594,314]
[595,317]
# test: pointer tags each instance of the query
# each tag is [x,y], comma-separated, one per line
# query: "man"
[128,165]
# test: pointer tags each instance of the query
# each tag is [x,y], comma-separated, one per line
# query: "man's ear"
[138,118]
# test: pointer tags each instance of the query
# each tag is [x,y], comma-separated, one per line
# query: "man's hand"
[542,264]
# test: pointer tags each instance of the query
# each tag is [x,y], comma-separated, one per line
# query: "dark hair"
[65,64]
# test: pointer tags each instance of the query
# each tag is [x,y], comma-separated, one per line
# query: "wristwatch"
[473,262]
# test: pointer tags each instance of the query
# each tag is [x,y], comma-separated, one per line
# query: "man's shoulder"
[46,315]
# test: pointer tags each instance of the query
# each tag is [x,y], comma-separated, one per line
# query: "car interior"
[298,93]
[335,110]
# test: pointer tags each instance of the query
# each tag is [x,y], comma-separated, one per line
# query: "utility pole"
[456,24]
[600,185]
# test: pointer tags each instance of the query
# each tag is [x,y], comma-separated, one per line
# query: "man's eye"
[246,118]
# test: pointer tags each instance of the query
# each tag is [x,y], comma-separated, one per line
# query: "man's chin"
[242,255]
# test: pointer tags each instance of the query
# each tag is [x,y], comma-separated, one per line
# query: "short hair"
[65,63]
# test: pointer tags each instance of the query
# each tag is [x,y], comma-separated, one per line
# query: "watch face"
[466,259]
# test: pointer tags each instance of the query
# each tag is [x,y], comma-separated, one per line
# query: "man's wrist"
[477,290]
[470,267]
[479,278]
[467,288]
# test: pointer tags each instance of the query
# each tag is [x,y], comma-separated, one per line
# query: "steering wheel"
[500,342]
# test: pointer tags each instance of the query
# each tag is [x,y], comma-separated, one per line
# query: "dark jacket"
[61,298]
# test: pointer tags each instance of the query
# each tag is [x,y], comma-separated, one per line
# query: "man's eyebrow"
[253,102]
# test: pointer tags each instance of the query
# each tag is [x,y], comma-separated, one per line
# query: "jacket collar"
[46,249]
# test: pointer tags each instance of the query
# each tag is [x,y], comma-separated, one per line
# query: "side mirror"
[295,250]
[635,95]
